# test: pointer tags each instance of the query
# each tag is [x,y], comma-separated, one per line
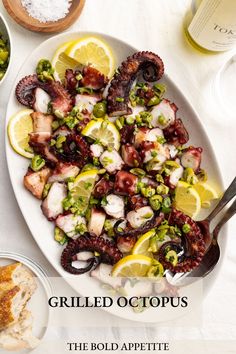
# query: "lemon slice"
[206,193]
[95,52]
[132,266]
[61,62]
[187,199]
[19,127]
[103,131]
[143,243]
[83,187]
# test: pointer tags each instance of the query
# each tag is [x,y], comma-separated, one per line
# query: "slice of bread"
[17,285]
[19,335]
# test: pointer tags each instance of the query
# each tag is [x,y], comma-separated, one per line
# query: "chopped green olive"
[120,99]
[71,121]
[159,178]
[100,109]
[138,172]
[160,89]
[161,139]
[155,202]
[79,77]
[45,70]
[172,257]
[55,125]
[154,101]
[130,120]
[46,189]
[172,164]
[162,189]
[60,236]
[189,176]
[80,228]
[37,163]
[96,161]
[166,205]
[148,191]
[162,120]
[120,122]
[60,140]
[108,227]
[186,228]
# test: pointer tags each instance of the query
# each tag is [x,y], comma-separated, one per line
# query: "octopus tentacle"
[194,240]
[108,253]
[75,150]
[154,222]
[176,133]
[152,67]
[61,100]
[92,78]
[25,90]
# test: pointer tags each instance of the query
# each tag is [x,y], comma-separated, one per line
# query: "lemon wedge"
[206,193]
[95,52]
[61,62]
[83,187]
[103,131]
[187,199]
[132,266]
[19,127]
[143,243]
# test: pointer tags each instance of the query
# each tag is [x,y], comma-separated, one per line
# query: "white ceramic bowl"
[5,31]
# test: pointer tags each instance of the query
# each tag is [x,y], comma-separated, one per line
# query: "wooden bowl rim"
[37,26]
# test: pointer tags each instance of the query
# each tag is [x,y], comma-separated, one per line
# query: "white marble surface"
[151,25]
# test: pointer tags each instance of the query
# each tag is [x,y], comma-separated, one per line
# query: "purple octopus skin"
[75,150]
[108,253]
[194,244]
[152,68]
[61,100]
[176,133]
[103,187]
[25,90]
[154,222]
[125,183]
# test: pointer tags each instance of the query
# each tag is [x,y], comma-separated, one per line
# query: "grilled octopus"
[152,68]
[61,100]
[108,253]
[193,242]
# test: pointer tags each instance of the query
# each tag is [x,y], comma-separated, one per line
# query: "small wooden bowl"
[21,16]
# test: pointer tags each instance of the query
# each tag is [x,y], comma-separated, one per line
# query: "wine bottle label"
[214,25]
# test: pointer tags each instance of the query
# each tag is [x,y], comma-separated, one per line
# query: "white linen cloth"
[155,25]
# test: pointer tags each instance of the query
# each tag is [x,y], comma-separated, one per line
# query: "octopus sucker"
[75,150]
[61,100]
[152,68]
[25,90]
[152,223]
[108,253]
[193,242]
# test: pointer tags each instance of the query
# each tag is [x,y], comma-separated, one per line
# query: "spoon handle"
[229,213]
[227,196]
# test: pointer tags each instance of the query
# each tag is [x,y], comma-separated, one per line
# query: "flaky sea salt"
[47,10]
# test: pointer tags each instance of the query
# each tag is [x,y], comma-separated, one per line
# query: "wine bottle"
[210,25]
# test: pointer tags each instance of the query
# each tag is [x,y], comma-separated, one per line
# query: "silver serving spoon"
[212,254]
